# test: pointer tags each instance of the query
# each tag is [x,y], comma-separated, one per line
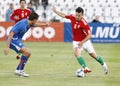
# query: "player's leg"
[101,61]
[23,40]
[80,59]
[89,48]
[19,47]
[25,55]
[24,58]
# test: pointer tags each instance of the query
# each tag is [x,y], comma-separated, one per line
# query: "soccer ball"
[80,73]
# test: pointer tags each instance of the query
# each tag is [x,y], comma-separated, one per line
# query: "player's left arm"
[13,16]
[38,24]
[88,34]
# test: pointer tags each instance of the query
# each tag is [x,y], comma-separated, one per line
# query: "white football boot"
[105,68]
[21,73]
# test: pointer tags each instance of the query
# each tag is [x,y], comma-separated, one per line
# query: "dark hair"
[80,10]
[33,16]
[22,0]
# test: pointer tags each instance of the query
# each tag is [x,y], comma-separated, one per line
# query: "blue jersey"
[20,29]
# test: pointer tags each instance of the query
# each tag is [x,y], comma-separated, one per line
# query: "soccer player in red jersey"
[81,35]
[20,13]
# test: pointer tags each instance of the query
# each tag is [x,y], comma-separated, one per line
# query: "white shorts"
[87,46]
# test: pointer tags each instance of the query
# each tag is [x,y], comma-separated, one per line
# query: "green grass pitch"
[53,64]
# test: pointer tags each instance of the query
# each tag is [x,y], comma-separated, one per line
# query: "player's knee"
[27,53]
[77,54]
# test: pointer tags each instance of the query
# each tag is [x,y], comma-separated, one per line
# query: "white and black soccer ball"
[80,73]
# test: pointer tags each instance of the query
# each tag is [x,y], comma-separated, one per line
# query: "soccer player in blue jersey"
[14,41]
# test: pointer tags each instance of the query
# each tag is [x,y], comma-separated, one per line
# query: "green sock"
[100,60]
[81,61]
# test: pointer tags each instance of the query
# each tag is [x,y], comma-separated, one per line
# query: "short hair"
[33,16]
[80,10]
[22,0]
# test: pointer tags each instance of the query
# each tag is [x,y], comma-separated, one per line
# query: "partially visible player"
[81,35]
[29,6]
[14,40]
[19,14]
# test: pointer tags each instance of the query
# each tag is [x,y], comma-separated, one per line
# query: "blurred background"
[103,17]
[108,11]
[53,64]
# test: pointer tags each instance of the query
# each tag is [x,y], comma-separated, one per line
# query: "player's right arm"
[6,51]
[13,16]
[61,14]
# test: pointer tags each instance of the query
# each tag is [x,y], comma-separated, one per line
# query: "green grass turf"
[53,64]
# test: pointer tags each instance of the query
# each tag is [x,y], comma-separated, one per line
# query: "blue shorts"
[16,45]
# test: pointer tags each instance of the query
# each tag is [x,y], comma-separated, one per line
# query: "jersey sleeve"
[12,16]
[69,16]
[87,29]
[17,28]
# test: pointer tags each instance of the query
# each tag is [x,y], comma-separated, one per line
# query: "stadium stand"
[108,10]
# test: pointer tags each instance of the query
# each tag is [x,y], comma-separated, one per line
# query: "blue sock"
[22,63]
[18,67]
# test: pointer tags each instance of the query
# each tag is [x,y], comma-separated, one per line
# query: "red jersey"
[80,28]
[20,13]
